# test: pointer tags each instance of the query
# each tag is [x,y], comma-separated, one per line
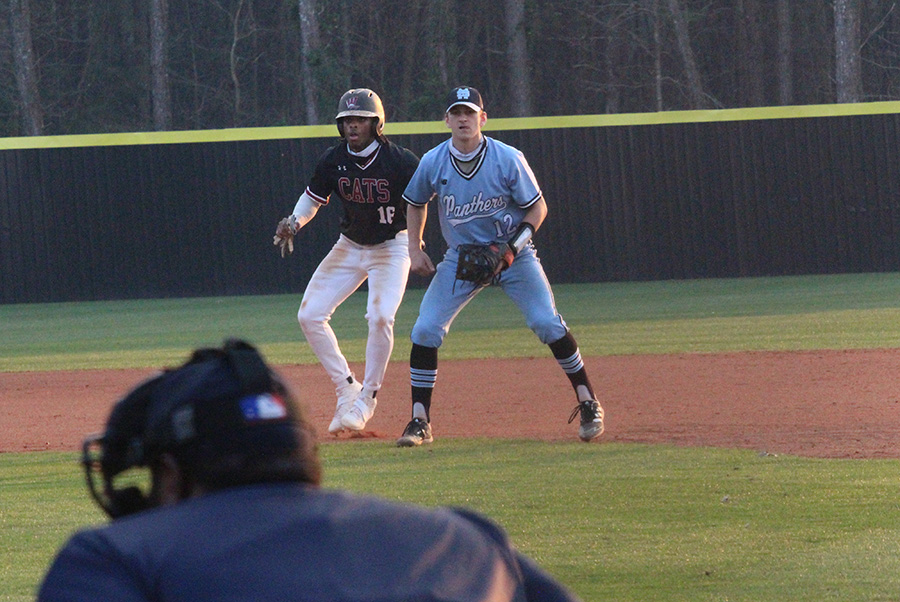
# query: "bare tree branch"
[785,54]
[309,44]
[848,69]
[26,68]
[699,98]
[159,65]
[517,58]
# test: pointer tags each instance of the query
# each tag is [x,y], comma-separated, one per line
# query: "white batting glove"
[284,235]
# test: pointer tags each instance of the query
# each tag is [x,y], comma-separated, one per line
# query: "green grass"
[809,312]
[613,521]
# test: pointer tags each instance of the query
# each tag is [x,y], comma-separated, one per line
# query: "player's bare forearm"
[536,214]
[415,224]
[419,261]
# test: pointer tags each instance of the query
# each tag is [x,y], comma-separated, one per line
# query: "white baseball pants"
[341,272]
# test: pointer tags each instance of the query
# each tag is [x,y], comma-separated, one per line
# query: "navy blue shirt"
[290,542]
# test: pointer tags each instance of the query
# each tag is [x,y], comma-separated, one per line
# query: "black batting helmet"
[360,102]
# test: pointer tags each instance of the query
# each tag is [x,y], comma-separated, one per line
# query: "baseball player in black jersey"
[368,173]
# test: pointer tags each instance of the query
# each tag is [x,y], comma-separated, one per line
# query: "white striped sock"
[422,378]
[572,364]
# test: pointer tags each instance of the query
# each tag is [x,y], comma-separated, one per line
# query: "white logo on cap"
[263,407]
[462,93]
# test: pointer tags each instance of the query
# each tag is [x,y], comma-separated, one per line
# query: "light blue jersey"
[484,206]
[482,196]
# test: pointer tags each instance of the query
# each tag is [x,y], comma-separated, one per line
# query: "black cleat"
[416,433]
[591,419]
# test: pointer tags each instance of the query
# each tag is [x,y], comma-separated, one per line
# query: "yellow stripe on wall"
[436,127]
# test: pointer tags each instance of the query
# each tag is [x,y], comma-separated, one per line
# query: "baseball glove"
[482,263]
[284,236]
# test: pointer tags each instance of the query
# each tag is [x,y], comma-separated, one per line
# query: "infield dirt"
[835,404]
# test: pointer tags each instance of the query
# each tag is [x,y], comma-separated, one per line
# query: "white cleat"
[346,396]
[359,413]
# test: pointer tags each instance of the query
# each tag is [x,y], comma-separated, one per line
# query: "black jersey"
[371,189]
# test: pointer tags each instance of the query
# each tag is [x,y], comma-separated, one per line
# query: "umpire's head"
[222,419]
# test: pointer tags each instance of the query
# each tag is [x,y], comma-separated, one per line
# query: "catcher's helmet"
[360,102]
[221,403]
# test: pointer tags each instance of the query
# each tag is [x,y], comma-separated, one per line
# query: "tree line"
[95,66]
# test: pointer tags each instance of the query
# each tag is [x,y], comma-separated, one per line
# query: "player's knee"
[380,322]
[548,331]
[309,318]
[427,337]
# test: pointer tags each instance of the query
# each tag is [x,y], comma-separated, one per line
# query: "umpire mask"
[222,400]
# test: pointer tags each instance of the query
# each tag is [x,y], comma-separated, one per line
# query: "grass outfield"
[613,521]
[807,312]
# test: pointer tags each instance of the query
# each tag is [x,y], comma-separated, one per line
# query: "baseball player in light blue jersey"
[484,193]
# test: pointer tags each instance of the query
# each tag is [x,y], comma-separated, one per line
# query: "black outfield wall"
[644,197]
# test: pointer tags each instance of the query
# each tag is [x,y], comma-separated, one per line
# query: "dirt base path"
[837,404]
